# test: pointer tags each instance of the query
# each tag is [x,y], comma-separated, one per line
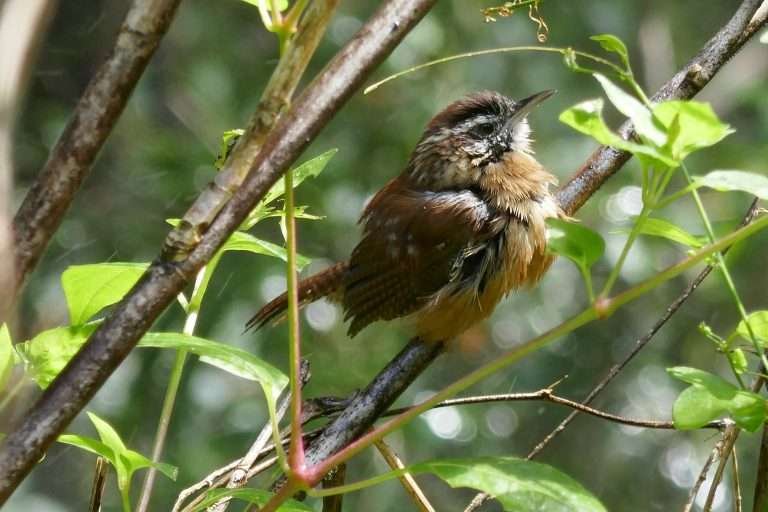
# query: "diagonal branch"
[23,25]
[367,406]
[91,123]
[132,317]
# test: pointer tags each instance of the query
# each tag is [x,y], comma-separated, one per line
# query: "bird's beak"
[524,106]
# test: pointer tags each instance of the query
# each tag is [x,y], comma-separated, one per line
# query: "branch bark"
[23,25]
[96,114]
[368,405]
[133,316]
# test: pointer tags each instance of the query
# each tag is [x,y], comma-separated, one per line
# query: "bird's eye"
[483,130]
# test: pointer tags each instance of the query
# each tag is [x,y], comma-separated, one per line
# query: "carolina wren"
[458,229]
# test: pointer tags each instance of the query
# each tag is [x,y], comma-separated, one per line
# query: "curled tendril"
[508,9]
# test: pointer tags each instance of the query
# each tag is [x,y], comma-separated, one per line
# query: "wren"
[462,226]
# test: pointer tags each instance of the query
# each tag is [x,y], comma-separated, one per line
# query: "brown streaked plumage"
[458,229]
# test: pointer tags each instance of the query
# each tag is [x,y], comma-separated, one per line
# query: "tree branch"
[132,317]
[91,123]
[604,162]
[23,24]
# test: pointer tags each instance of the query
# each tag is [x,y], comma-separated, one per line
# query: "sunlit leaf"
[665,229]
[135,461]
[90,288]
[228,140]
[309,169]
[241,241]
[632,108]
[7,359]
[49,352]
[738,360]
[90,445]
[281,4]
[730,180]
[759,323]
[586,117]
[518,484]
[611,43]
[578,243]
[710,397]
[226,357]
[249,495]
[699,126]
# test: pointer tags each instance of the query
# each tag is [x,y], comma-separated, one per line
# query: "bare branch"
[408,482]
[132,317]
[760,502]
[23,24]
[414,359]
[99,481]
[91,123]
[336,478]
[702,476]
[547,395]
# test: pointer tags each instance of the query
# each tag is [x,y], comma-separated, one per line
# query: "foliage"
[125,461]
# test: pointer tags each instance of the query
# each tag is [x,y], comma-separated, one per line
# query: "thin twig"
[131,318]
[23,24]
[99,481]
[91,123]
[730,436]
[737,499]
[760,502]
[334,479]
[238,477]
[406,479]
[688,506]
[729,441]
[547,395]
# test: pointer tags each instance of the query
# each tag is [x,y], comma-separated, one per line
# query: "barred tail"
[310,289]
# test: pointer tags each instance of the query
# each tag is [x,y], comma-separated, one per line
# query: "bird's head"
[470,134]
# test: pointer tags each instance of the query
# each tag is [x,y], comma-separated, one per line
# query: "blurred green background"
[207,78]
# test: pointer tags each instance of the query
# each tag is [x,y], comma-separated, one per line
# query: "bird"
[462,225]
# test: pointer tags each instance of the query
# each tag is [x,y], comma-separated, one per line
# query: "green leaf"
[90,288]
[519,485]
[226,357]
[7,359]
[712,397]
[228,140]
[611,43]
[241,241]
[281,4]
[632,108]
[586,117]
[249,495]
[112,448]
[730,180]
[759,323]
[308,169]
[135,461]
[49,352]
[578,243]
[90,445]
[699,127]
[665,229]
[738,360]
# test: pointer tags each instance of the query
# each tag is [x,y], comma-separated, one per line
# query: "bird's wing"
[414,243]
